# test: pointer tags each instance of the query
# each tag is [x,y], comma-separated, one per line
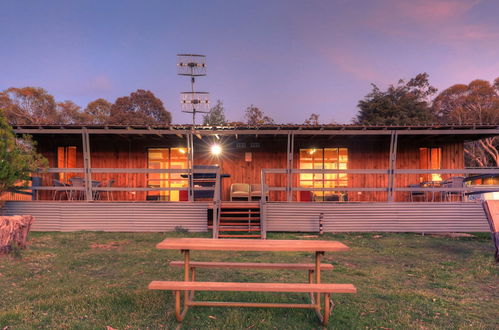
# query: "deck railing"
[390,188]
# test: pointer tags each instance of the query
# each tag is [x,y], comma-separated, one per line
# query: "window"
[430,159]
[324,158]
[166,158]
[66,158]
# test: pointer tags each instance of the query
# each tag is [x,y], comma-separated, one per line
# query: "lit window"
[324,158]
[430,159]
[161,159]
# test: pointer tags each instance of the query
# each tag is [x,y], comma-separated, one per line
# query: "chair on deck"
[109,194]
[256,191]
[59,193]
[240,190]
[415,193]
[454,182]
[76,183]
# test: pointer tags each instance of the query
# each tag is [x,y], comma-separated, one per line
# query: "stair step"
[240,212]
[240,218]
[238,229]
[237,236]
[239,223]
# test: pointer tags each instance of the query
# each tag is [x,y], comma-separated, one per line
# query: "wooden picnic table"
[189,286]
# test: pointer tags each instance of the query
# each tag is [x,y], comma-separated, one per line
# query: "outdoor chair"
[76,183]
[240,190]
[109,194]
[415,193]
[256,192]
[59,193]
[95,193]
[454,182]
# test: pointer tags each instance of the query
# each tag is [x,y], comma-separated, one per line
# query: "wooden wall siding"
[270,154]
[408,157]
[363,152]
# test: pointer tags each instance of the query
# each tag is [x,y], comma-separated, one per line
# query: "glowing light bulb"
[216,149]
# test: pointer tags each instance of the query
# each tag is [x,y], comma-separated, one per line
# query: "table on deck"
[318,247]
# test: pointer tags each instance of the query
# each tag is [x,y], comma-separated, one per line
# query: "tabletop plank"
[251,245]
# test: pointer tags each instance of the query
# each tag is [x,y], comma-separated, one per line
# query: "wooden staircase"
[239,220]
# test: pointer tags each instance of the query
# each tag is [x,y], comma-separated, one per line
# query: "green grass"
[63,280]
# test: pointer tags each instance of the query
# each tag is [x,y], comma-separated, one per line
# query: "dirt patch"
[116,245]
[452,235]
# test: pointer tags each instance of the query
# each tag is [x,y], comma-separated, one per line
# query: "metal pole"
[392,164]
[263,217]
[87,165]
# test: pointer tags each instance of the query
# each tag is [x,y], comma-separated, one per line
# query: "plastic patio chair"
[240,190]
[256,191]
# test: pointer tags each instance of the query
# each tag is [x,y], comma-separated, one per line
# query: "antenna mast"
[193,65]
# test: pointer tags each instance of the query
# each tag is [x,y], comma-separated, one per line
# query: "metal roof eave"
[486,130]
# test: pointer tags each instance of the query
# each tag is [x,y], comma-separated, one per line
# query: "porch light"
[216,149]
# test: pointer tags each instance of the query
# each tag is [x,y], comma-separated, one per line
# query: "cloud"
[100,83]
[350,62]
[441,21]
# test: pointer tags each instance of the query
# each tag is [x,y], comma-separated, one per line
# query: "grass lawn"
[90,280]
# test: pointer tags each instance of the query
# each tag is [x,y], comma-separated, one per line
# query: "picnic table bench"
[314,286]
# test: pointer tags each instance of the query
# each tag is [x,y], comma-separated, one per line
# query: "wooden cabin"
[326,166]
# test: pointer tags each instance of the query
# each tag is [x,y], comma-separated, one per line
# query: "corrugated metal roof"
[260,129]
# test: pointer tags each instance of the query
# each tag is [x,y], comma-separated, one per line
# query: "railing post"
[87,165]
[289,167]
[263,202]
[392,165]
[216,203]
[190,165]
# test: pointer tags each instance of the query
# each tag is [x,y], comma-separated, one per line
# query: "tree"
[28,106]
[312,120]
[98,111]
[70,113]
[401,104]
[140,108]
[18,158]
[255,116]
[475,103]
[216,116]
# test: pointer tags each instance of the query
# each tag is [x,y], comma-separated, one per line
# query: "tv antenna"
[193,65]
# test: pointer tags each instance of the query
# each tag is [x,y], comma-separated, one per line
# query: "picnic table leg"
[317,299]
[187,294]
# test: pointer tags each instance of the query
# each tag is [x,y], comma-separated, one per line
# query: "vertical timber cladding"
[364,152]
[113,217]
[377,217]
[266,152]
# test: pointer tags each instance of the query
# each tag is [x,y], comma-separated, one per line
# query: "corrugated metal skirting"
[113,217]
[382,217]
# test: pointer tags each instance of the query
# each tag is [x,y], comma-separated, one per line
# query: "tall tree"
[216,116]
[70,113]
[475,103]
[28,105]
[401,104]
[98,111]
[312,120]
[18,158]
[255,116]
[140,108]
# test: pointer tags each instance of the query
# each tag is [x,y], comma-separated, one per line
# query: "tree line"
[407,103]
[34,106]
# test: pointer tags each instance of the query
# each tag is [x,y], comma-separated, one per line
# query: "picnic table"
[314,286]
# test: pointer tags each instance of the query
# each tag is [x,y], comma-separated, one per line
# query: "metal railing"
[390,188]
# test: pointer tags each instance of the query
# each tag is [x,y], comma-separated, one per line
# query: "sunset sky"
[290,58]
